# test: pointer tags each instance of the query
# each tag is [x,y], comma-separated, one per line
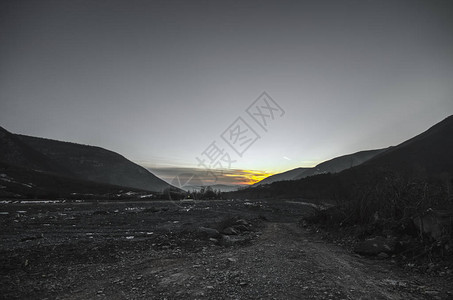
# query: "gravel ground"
[143,250]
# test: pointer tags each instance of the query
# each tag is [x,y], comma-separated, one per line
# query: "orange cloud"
[247,177]
[216,176]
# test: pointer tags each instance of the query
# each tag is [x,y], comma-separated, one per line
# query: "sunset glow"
[248,177]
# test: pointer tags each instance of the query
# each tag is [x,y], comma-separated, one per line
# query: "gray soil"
[155,250]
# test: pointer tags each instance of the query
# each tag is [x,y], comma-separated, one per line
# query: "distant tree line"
[205,193]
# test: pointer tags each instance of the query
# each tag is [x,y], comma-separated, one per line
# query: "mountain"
[334,165]
[18,182]
[341,163]
[96,164]
[15,152]
[288,175]
[428,156]
[71,161]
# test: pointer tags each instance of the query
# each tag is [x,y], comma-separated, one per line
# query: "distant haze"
[159,81]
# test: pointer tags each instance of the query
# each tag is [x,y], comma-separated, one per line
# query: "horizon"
[187,178]
[170,84]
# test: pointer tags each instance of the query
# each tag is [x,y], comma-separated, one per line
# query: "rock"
[231,259]
[230,240]
[241,222]
[226,241]
[229,231]
[209,232]
[383,255]
[240,228]
[376,245]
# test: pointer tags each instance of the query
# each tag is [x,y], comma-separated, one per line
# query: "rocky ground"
[189,250]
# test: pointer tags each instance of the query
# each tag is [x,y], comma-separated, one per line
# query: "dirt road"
[154,251]
[283,263]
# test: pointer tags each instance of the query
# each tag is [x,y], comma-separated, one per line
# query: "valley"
[220,249]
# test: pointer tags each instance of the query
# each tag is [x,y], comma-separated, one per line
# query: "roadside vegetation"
[412,213]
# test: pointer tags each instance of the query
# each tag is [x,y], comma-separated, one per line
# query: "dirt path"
[284,262]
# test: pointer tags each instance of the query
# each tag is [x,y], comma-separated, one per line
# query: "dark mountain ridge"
[427,156]
[15,152]
[334,165]
[287,175]
[341,163]
[96,164]
[429,153]
[75,166]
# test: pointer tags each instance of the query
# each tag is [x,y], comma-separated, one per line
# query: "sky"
[177,86]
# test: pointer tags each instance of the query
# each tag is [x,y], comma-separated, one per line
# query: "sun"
[253,176]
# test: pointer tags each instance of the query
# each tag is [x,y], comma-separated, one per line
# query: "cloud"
[179,176]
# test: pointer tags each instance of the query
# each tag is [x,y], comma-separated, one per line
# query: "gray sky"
[159,81]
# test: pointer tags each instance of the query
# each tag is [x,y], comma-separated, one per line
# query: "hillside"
[15,152]
[334,165]
[96,164]
[427,154]
[288,175]
[69,163]
[341,163]
[18,182]
[424,157]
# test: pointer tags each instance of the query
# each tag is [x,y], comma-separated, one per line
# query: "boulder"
[209,232]
[240,228]
[226,241]
[229,240]
[375,246]
[241,222]
[229,231]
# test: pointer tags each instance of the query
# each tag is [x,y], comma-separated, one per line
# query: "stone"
[209,232]
[229,231]
[240,228]
[241,222]
[226,241]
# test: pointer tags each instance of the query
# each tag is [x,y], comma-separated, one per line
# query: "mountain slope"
[96,164]
[288,175]
[334,165]
[15,152]
[426,157]
[71,161]
[429,153]
[19,182]
[341,163]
